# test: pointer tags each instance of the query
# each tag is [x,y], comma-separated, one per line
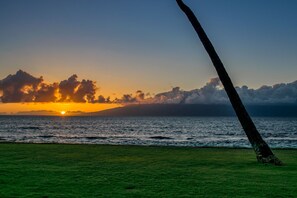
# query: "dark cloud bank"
[23,87]
[213,93]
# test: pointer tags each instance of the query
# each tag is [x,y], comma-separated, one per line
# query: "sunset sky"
[147,45]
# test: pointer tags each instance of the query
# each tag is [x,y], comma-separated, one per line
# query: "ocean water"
[171,131]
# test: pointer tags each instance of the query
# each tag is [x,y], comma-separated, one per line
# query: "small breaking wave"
[30,127]
[161,137]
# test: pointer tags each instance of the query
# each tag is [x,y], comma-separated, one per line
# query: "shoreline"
[144,146]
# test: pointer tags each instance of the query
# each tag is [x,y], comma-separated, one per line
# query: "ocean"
[165,131]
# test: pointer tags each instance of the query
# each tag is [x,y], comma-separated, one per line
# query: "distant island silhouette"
[280,110]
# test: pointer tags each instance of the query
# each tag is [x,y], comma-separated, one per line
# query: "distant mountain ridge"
[280,110]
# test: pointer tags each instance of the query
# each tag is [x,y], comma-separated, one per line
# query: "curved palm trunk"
[262,150]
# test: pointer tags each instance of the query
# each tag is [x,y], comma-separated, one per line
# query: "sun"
[63,112]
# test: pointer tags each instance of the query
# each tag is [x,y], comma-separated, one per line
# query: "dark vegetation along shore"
[53,170]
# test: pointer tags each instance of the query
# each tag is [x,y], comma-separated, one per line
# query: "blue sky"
[148,45]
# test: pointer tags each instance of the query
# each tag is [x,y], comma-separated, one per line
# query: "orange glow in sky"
[13,108]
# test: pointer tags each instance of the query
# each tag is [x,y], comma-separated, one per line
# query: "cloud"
[176,95]
[278,93]
[138,97]
[47,93]
[85,92]
[214,93]
[23,87]
[67,88]
[20,87]
[102,99]
[72,90]
[126,98]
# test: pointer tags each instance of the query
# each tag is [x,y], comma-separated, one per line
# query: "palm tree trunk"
[262,150]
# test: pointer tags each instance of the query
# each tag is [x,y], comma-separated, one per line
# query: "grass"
[53,170]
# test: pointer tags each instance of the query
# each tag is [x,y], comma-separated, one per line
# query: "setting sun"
[63,112]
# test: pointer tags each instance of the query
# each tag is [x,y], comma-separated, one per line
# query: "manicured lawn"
[52,170]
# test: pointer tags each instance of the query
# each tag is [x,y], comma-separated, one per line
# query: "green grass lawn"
[52,170]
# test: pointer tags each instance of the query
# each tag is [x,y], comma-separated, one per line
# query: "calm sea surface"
[173,131]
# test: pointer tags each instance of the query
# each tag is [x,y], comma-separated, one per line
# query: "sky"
[146,45]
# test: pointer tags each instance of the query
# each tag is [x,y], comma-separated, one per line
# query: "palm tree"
[262,150]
